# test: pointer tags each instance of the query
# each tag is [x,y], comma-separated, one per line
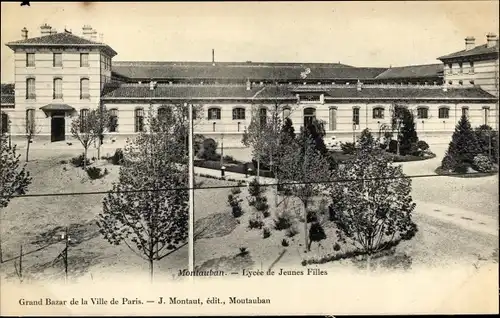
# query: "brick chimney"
[249,85]
[87,32]
[491,40]
[24,33]
[93,37]
[45,29]
[470,43]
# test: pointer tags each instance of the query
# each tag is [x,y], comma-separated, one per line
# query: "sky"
[364,33]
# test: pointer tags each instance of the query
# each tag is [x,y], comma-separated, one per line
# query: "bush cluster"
[235,203]
[266,232]
[348,148]
[282,221]
[78,161]
[255,222]
[95,173]
[117,158]
[482,163]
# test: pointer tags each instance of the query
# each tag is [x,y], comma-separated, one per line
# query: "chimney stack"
[359,85]
[45,29]
[470,43]
[213,57]
[249,85]
[87,32]
[53,31]
[491,40]
[24,33]
[93,37]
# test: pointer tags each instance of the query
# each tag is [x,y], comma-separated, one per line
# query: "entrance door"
[58,129]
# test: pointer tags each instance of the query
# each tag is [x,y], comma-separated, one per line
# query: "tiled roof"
[164,91]
[409,93]
[241,71]
[64,39]
[8,95]
[478,50]
[412,71]
[193,91]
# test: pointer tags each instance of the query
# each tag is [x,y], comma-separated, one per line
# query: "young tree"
[315,131]
[408,133]
[32,130]
[304,170]
[140,212]
[14,179]
[376,209]
[88,127]
[462,148]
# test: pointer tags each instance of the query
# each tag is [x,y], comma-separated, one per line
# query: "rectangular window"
[460,68]
[84,113]
[30,88]
[333,119]
[238,114]
[378,113]
[355,116]
[30,59]
[450,68]
[84,59]
[113,120]
[84,88]
[139,120]
[30,120]
[486,114]
[422,113]
[444,113]
[214,114]
[58,94]
[57,60]
[471,67]
[465,111]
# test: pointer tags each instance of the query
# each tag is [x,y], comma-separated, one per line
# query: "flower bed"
[237,168]
[470,174]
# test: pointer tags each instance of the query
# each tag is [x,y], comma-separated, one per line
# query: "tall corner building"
[61,75]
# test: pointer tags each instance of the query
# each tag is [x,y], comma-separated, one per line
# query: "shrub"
[284,243]
[348,148]
[95,173]
[235,190]
[482,163]
[208,151]
[393,146]
[292,231]
[63,162]
[422,145]
[117,158]
[282,221]
[414,150]
[78,161]
[255,189]
[461,167]
[255,223]
[266,232]
[243,251]
[260,204]
[312,216]
[487,140]
[316,232]
[336,247]
[383,146]
[234,203]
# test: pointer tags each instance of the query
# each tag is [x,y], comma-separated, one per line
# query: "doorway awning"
[57,107]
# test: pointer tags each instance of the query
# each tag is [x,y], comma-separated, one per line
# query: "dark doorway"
[58,129]
[5,123]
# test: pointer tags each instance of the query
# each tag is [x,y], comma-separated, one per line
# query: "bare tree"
[88,127]
[303,171]
[14,179]
[32,130]
[140,212]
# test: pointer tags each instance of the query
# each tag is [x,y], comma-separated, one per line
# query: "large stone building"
[59,75]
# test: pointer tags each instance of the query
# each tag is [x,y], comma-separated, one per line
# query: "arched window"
[139,120]
[113,120]
[355,116]
[286,112]
[422,112]
[57,89]
[30,120]
[238,113]
[333,118]
[5,123]
[309,116]
[486,115]
[84,114]
[30,88]
[465,111]
[378,112]
[214,113]
[263,116]
[444,112]
[84,88]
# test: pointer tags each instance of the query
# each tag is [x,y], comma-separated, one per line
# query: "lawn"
[35,222]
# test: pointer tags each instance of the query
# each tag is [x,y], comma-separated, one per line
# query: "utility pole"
[191,190]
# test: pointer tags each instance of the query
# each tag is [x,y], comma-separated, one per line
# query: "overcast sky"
[375,34]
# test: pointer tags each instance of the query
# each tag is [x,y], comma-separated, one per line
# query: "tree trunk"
[28,150]
[306,235]
[258,168]
[368,260]
[151,267]
[99,151]
[85,158]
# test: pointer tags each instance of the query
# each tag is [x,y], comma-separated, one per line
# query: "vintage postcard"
[249,158]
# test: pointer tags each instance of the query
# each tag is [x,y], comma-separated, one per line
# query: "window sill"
[238,119]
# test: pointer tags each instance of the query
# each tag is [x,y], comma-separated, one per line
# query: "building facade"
[61,75]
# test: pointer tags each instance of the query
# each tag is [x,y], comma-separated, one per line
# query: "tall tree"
[304,170]
[373,207]
[462,148]
[141,212]
[408,134]
[88,127]
[14,178]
